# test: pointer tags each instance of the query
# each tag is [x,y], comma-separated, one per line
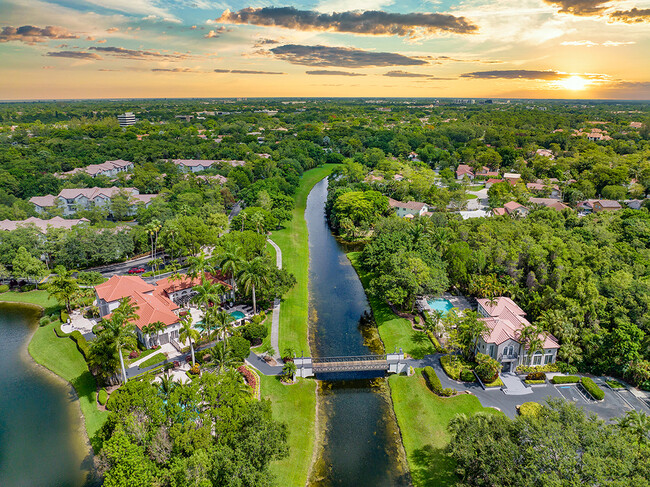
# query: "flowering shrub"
[134,354]
[536,376]
[195,369]
[250,378]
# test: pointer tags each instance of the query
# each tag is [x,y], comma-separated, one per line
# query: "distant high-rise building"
[126,119]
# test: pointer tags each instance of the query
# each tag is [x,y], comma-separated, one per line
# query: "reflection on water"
[40,441]
[358,437]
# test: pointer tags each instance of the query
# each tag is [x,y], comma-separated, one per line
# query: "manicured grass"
[39,298]
[296,406]
[128,361]
[153,360]
[394,331]
[423,418]
[293,240]
[62,357]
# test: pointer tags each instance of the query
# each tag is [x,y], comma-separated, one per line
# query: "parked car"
[136,270]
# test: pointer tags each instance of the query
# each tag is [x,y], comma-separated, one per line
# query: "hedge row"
[59,333]
[102,397]
[81,342]
[433,382]
[591,387]
[565,379]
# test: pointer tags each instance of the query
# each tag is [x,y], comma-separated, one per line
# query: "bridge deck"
[350,365]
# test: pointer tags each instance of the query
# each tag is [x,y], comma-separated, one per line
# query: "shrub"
[253,332]
[177,364]
[45,320]
[262,315]
[567,368]
[448,392]
[134,354]
[81,342]
[4,288]
[250,378]
[530,409]
[432,379]
[58,332]
[533,382]
[64,316]
[288,371]
[536,376]
[195,369]
[28,287]
[614,384]
[526,369]
[90,278]
[565,379]
[417,320]
[590,386]
[102,397]
[241,348]
[466,375]
[487,368]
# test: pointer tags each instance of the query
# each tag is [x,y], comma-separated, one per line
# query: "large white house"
[109,169]
[408,209]
[505,321]
[72,199]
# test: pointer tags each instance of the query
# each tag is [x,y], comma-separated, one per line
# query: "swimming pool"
[238,315]
[440,304]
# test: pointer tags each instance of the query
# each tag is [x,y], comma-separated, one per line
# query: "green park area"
[294,405]
[423,418]
[293,241]
[38,298]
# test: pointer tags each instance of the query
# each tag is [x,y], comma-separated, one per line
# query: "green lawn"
[394,331]
[143,354]
[154,359]
[423,418]
[62,357]
[39,298]
[293,240]
[296,406]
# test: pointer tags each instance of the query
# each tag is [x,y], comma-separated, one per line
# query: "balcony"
[506,356]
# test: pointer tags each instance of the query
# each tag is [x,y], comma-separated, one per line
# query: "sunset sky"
[210,48]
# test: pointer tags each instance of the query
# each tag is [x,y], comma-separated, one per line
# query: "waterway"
[358,437]
[40,441]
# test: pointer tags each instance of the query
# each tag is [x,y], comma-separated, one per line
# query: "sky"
[66,49]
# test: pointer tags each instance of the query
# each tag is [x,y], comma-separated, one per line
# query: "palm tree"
[258,220]
[187,332]
[103,360]
[199,265]
[154,329]
[637,423]
[206,293]
[254,275]
[223,357]
[152,229]
[167,385]
[222,321]
[529,338]
[63,286]
[122,333]
[231,261]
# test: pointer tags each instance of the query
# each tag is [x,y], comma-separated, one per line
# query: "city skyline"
[201,48]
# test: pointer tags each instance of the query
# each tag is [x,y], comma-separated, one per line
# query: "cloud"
[217,32]
[174,70]
[31,35]
[516,74]
[139,55]
[345,57]
[325,72]
[370,22]
[631,16]
[76,55]
[112,30]
[579,7]
[405,74]
[585,43]
[265,42]
[105,69]
[245,71]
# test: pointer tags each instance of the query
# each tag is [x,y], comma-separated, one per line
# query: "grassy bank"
[394,331]
[39,298]
[423,418]
[296,406]
[293,241]
[61,356]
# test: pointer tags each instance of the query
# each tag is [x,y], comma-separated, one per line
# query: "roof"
[118,287]
[94,169]
[499,211]
[168,285]
[92,193]
[42,225]
[195,162]
[512,175]
[549,203]
[145,198]
[464,169]
[43,201]
[511,206]
[409,205]
[493,181]
[608,203]
[152,308]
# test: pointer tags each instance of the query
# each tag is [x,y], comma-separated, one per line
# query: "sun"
[574,83]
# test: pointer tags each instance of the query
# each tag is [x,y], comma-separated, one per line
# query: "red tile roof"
[118,287]
[152,308]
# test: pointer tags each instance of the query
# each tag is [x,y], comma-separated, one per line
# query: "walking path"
[275,320]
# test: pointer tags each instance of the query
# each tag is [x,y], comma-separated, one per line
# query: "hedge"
[565,379]
[102,397]
[536,376]
[614,384]
[45,320]
[4,288]
[433,381]
[59,333]
[81,342]
[591,387]
[527,369]
[534,381]
[154,359]
[466,375]
[64,316]
[530,409]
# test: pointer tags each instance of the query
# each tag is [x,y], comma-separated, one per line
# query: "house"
[545,153]
[634,204]
[42,225]
[539,186]
[408,209]
[180,290]
[597,206]
[217,178]
[464,171]
[485,172]
[71,199]
[515,209]
[549,203]
[110,169]
[194,165]
[512,177]
[505,322]
[491,181]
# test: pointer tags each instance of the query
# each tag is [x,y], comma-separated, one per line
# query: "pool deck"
[461,303]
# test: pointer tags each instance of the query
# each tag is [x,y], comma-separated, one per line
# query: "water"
[40,441]
[238,315]
[358,436]
[440,304]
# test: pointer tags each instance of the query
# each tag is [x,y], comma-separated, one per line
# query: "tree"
[154,329]
[120,205]
[469,329]
[231,261]
[222,322]
[638,424]
[253,274]
[120,331]
[153,229]
[289,370]
[124,463]
[24,265]
[199,265]
[188,333]
[487,369]
[63,286]
[530,341]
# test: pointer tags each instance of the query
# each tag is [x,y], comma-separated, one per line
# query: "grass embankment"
[61,356]
[296,406]
[423,418]
[294,243]
[38,298]
[394,331]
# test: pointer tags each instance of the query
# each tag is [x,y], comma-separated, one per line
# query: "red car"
[136,270]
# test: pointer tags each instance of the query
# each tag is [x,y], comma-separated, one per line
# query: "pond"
[41,444]
[358,438]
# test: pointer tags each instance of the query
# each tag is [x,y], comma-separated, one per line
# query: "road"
[123,267]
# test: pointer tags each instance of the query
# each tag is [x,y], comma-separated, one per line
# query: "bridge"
[392,363]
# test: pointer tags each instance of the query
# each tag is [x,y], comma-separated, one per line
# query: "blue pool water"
[238,315]
[440,304]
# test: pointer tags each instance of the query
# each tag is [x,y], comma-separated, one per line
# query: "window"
[548,358]
[537,359]
[491,351]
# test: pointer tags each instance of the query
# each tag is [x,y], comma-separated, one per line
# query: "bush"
[195,369]
[527,369]
[530,409]
[432,379]
[614,384]
[532,382]
[45,320]
[90,278]
[253,332]
[453,365]
[448,392]
[241,348]
[565,379]
[417,320]
[4,288]
[567,368]
[536,376]
[58,332]
[134,354]
[590,386]
[64,316]
[102,397]
[487,368]
[466,375]
[28,287]
[81,342]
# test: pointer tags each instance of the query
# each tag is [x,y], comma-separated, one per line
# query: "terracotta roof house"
[505,321]
[218,178]
[485,172]
[512,177]
[464,171]
[549,203]
[499,211]
[42,225]
[541,186]
[408,209]
[515,209]
[545,153]
[491,181]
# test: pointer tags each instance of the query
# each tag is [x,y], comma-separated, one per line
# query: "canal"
[358,438]
[41,444]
